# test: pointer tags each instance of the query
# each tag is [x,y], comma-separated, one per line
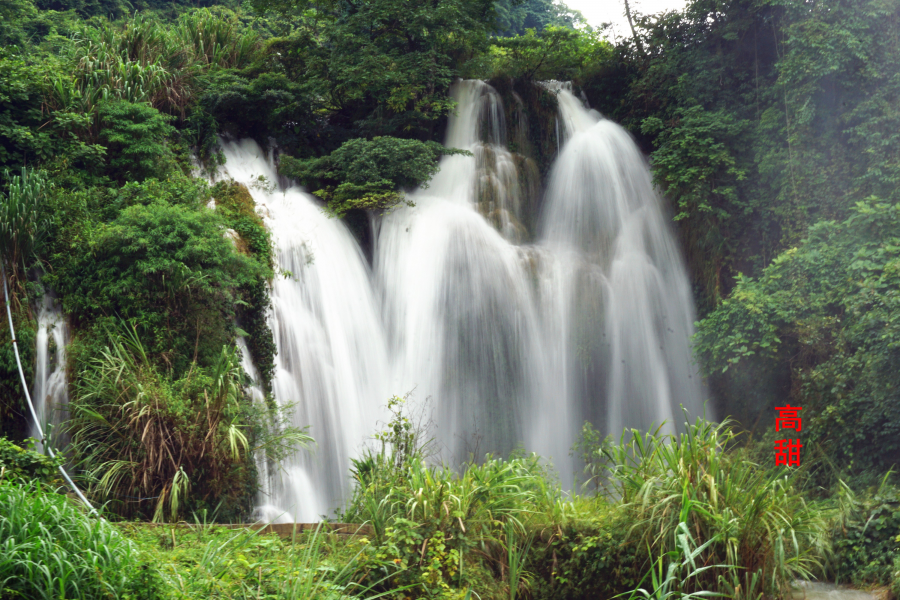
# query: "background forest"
[772,127]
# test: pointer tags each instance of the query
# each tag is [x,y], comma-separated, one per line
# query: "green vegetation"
[364,173]
[167,267]
[685,514]
[21,225]
[52,550]
[866,540]
[26,464]
[772,128]
[201,560]
[129,422]
[753,521]
[831,304]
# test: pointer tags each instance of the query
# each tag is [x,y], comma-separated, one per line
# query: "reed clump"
[23,224]
[149,61]
[756,530]
[152,446]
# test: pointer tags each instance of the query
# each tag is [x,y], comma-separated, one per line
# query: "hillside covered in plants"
[363,255]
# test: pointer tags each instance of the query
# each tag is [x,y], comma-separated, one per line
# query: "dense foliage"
[26,464]
[865,534]
[365,174]
[830,304]
[772,127]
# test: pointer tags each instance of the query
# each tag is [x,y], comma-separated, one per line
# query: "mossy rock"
[236,206]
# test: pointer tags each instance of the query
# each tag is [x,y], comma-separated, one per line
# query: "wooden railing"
[284,530]
[288,529]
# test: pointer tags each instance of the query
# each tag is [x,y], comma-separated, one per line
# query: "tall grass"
[244,565]
[148,61]
[127,427]
[517,549]
[22,225]
[150,443]
[672,573]
[758,524]
[472,503]
[49,550]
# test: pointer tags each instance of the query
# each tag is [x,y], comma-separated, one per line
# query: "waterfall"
[511,342]
[461,322]
[331,358]
[258,397]
[630,303]
[50,392]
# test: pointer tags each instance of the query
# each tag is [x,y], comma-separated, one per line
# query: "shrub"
[367,173]
[25,464]
[428,519]
[588,558]
[169,269]
[52,550]
[135,136]
[866,536]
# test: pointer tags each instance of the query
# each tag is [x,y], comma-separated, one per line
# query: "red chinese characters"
[788,417]
[787,452]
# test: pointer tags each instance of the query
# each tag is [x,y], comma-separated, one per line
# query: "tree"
[551,53]
[168,268]
[517,17]
[385,66]
[135,136]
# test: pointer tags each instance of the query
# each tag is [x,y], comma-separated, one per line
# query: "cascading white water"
[458,307]
[514,344]
[50,393]
[637,316]
[331,362]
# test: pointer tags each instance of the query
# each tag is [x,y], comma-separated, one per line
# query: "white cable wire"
[37,423]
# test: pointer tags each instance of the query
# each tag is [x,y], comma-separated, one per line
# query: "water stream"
[515,329]
[813,590]
[50,393]
[332,362]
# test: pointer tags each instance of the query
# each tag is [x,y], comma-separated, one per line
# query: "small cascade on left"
[258,397]
[50,392]
[331,360]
